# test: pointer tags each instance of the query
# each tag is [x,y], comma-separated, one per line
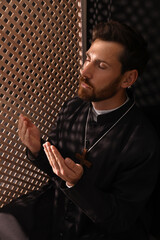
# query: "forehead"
[105,50]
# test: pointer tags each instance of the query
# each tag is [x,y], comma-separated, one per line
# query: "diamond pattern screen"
[40,53]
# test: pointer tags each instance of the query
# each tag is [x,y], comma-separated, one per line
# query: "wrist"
[35,151]
[32,155]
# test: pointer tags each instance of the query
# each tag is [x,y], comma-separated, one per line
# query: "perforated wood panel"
[40,61]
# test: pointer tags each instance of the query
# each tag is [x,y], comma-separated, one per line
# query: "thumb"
[73,166]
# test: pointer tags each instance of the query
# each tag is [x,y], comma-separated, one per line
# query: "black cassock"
[111,200]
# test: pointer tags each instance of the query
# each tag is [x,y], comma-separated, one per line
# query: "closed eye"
[101,64]
[98,62]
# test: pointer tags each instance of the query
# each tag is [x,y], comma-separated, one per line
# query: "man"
[102,154]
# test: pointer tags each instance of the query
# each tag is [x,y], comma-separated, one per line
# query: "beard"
[83,93]
[96,95]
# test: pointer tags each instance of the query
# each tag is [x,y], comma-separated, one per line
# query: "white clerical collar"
[100,112]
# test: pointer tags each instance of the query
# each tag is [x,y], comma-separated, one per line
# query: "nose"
[87,70]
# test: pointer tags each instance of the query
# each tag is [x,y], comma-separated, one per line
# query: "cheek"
[101,80]
[108,78]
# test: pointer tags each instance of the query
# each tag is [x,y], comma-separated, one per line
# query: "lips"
[83,83]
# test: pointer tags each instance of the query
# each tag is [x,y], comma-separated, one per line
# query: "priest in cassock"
[102,154]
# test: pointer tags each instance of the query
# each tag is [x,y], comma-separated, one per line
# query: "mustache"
[85,80]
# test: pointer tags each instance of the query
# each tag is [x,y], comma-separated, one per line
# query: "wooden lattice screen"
[40,59]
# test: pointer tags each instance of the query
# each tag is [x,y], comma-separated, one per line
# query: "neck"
[108,104]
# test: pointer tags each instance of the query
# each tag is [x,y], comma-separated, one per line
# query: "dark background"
[145,17]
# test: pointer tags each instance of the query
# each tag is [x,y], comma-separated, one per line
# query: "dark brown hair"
[135,54]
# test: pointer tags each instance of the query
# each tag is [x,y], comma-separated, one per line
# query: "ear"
[129,78]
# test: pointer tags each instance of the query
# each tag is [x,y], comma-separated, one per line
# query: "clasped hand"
[66,168]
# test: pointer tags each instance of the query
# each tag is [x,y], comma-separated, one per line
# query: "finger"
[23,118]
[58,160]
[75,173]
[50,156]
[23,131]
[60,167]
[70,164]
[67,166]
[46,144]
[21,125]
[46,149]
[58,157]
[76,168]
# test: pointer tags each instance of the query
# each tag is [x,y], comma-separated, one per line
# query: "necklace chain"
[86,127]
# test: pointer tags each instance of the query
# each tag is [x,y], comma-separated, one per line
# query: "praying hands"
[66,169]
